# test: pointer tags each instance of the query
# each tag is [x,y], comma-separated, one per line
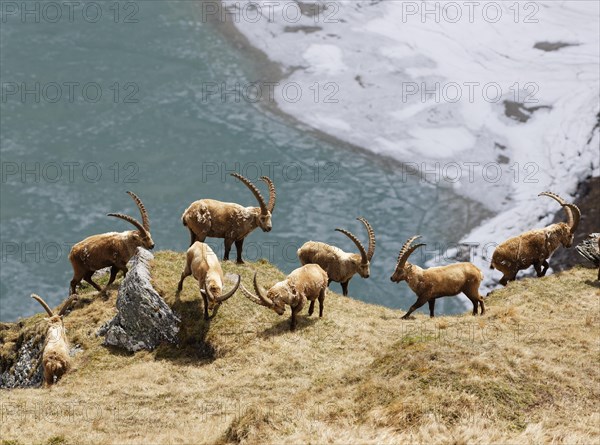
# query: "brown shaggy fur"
[436,282]
[55,354]
[307,283]
[533,248]
[230,221]
[203,264]
[339,265]
[113,249]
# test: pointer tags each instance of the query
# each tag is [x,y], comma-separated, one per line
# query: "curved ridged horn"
[363,252]
[254,190]
[250,296]
[263,298]
[143,211]
[43,303]
[406,251]
[229,294]
[412,249]
[66,304]
[131,220]
[562,202]
[576,215]
[371,250]
[272,194]
[407,245]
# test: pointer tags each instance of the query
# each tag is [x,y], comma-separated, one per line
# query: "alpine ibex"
[535,246]
[233,222]
[307,283]
[436,282]
[203,264]
[339,265]
[113,249]
[55,355]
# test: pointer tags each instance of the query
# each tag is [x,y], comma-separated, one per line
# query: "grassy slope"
[527,371]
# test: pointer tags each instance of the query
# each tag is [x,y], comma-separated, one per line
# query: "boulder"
[143,319]
[27,369]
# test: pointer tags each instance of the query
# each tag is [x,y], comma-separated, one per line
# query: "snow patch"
[430,91]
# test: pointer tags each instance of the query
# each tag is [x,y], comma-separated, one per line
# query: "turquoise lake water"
[90,110]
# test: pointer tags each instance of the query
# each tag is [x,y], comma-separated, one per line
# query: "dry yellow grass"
[526,372]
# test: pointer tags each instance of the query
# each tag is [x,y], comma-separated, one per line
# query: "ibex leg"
[321,302]
[431,307]
[228,243]
[420,302]
[546,266]
[344,288]
[293,319]
[239,245]
[205,298]
[113,274]
[538,267]
[311,308]
[186,273]
[88,277]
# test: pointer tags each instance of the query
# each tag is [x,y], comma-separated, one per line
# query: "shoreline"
[271,71]
[544,137]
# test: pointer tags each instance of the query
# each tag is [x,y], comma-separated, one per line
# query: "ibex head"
[55,319]
[364,260]
[214,292]
[142,236]
[402,266]
[275,297]
[264,217]
[566,233]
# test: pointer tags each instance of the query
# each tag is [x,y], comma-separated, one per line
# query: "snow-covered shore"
[498,100]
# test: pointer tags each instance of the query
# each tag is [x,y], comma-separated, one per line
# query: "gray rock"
[588,249]
[143,320]
[27,370]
